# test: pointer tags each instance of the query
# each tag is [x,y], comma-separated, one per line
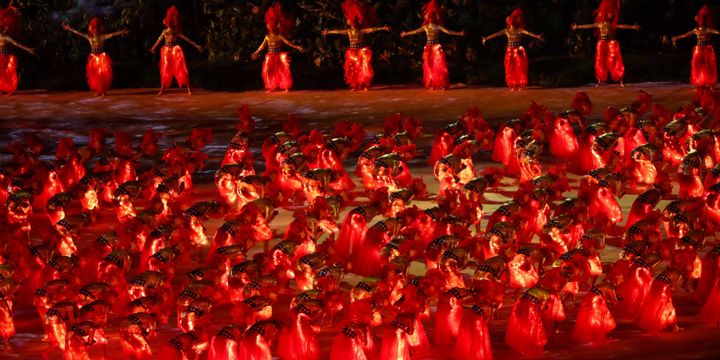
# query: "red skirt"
[594,320]
[563,142]
[473,340]
[608,61]
[447,320]
[99,72]
[657,311]
[710,312]
[222,348]
[525,330]
[276,71]
[633,290]
[8,73]
[7,326]
[395,345]
[516,67]
[347,348]
[172,64]
[358,68]
[351,237]
[435,73]
[254,347]
[704,68]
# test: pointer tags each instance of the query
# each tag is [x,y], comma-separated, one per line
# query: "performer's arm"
[198,47]
[450,32]
[292,45]
[157,43]
[628,27]
[375,29]
[412,32]
[683,36]
[68,28]
[583,27]
[334,32]
[713,31]
[499,33]
[19,45]
[256,54]
[533,35]
[114,34]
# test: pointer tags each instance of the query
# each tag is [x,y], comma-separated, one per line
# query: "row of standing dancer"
[359,72]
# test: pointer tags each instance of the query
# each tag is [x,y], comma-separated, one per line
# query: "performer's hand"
[152,50]
[32,52]
[254,56]
[636,27]
[484,39]
[462,33]
[124,32]
[403,34]
[302,49]
[200,48]
[541,37]
[386,28]
[324,33]
[573,26]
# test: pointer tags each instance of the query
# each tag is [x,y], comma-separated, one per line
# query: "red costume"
[525,330]
[172,58]
[594,320]
[608,59]
[99,66]
[473,339]
[435,72]
[704,67]
[9,24]
[657,311]
[516,61]
[358,58]
[276,67]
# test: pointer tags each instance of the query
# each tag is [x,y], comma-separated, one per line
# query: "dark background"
[232,29]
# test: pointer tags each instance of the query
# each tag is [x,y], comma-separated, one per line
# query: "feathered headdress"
[516,19]
[703,17]
[277,21]
[94,26]
[608,11]
[433,13]
[353,12]
[172,18]
[10,21]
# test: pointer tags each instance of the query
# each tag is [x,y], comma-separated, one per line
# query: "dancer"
[516,62]
[358,58]
[172,58]
[704,69]
[9,28]
[435,73]
[99,66]
[276,67]
[608,59]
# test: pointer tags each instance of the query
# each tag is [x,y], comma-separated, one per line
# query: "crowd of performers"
[111,238]
[277,75]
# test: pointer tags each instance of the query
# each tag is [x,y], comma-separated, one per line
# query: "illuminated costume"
[594,320]
[9,27]
[298,340]
[172,58]
[657,311]
[525,331]
[276,67]
[99,66]
[435,73]
[358,58]
[516,62]
[704,67]
[608,60]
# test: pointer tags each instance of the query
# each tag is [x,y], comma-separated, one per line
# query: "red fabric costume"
[276,67]
[516,61]
[525,331]
[594,320]
[9,24]
[358,59]
[435,72]
[99,66]
[172,58]
[608,59]
[704,67]
[473,340]
[657,311]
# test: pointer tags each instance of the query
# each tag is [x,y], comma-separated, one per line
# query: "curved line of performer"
[276,73]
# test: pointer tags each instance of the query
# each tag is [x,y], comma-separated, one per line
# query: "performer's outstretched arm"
[375,29]
[256,54]
[412,32]
[114,34]
[583,27]
[492,36]
[292,45]
[683,36]
[157,43]
[713,31]
[334,32]
[450,32]
[68,28]
[18,45]
[628,27]
[198,47]
[532,35]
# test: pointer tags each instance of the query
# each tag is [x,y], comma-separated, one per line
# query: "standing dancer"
[516,62]
[435,73]
[99,66]
[704,69]
[608,59]
[276,67]
[172,59]
[9,28]
[358,58]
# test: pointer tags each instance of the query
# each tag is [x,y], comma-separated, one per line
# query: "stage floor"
[60,114]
